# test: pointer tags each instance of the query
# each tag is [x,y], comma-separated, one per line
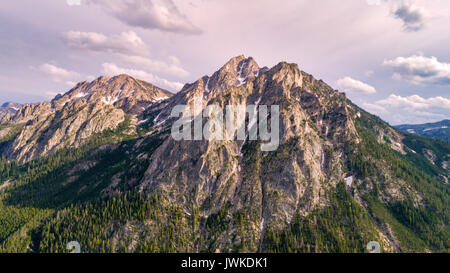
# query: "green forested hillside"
[48,204]
[339,178]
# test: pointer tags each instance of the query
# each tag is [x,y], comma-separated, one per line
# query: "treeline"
[8,169]
[131,222]
[378,162]
[342,227]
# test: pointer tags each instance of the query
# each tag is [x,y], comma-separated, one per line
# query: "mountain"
[8,109]
[70,120]
[338,178]
[440,130]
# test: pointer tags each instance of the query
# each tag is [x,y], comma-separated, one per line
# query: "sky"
[391,57]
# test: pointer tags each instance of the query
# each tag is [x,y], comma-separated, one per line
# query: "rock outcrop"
[69,120]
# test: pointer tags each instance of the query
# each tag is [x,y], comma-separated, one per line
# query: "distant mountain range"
[440,130]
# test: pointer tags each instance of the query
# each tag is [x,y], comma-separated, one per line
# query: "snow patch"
[81,95]
[163,121]
[251,123]
[349,181]
[142,121]
[157,117]
[241,79]
[254,118]
[207,85]
[435,128]
[161,98]
[109,100]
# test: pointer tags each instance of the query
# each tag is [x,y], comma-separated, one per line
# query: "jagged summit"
[122,90]
[7,110]
[70,119]
[323,140]
[239,76]
[236,72]
[11,104]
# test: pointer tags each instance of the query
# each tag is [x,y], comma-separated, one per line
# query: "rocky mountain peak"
[70,119]
[12,105]
[236,72]
[123,91]
[8,109]
[314,119]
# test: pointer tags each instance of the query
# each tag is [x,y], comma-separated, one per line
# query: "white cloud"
[412,109]
[73,2]
[56,73]
[61,75]
[112,69]
[173,68]
[128,46]
[415,102]
[373,2]
[420,70]
[350,85]
[149,14]
[126,42]
[375,108]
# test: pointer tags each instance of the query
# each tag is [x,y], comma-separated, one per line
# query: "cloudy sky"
[391,57]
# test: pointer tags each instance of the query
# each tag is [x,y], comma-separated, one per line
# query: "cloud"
[369,73]
[112,69]
[149,14]
[57,74]
[173,68]
[61,75]
[73,2]
[128,46]
[411,109]
[373,2]
[126,42]
[413,18]
[415,102]
[420,70]
[350,85]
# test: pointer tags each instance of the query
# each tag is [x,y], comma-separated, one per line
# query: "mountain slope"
[440,130]
[7,110]
[69,120]
[339,179]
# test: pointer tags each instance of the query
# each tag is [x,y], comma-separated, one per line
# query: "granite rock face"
[317,123]
[69,120]
[7,110]
[334,161]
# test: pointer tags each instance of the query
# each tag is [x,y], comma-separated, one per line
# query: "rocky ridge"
[69,120]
